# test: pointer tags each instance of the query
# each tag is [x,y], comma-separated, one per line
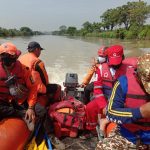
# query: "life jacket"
[106,76]
[97,91]
[136,94]
[103,74]
[107,79]
[4,89]
[130,61]
[69,114]
[30,60]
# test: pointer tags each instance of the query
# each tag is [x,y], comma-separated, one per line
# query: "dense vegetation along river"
[73,55]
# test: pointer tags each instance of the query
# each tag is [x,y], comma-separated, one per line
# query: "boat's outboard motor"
[71,86]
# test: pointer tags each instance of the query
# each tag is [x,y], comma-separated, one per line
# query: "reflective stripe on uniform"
[96,96]
[113,112]
[98,87]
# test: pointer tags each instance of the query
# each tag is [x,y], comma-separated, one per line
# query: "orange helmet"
[102,51]
[9,48]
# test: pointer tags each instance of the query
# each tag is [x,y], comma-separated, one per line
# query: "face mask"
[101,59]
[7,61]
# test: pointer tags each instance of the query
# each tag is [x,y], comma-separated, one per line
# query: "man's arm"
[40,67]
[41,88]
[88,77]
[32,97]
[116,111]
[30,83]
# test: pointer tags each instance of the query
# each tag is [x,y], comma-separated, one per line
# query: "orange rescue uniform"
[24,77]
[38,70]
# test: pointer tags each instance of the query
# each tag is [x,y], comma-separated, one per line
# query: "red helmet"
[102,51]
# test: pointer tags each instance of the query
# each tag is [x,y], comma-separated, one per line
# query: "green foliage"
[112,35]
[88,27]
[142,34]
[110,18]
[83,32]
[130,35]
[3,32]
[63,30]
[148,35]
[25,31]
[71,31]
[120,33]
[135,28]
[139,12]
[127,20]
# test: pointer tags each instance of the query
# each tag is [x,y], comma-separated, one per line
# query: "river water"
[73,55]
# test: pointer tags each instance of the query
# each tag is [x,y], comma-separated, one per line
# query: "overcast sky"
[49,15]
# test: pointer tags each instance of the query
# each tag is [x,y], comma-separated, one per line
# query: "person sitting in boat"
[18,92]
[88,87]
[106,75]
[47,93]
[129,107]
[31,60]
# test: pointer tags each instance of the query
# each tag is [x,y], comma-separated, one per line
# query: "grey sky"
[48,15]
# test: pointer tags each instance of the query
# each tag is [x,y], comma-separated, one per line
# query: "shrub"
[142,34]
[148,35]
[130,35]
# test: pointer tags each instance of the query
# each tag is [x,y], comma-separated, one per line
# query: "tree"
[139,12]
[133,13]
[26,31]
[96,27]
[124,17]
[13,32]
[110,18]
[88,27]
[71,31]
[62,29]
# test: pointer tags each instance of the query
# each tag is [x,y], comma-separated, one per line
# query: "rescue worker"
[31,59]
[88,87]
[106,75]
[129,107]
[47,93]
[18,92]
